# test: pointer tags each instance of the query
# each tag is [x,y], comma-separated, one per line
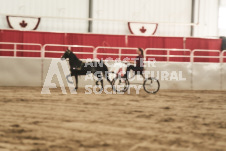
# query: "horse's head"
[66,54]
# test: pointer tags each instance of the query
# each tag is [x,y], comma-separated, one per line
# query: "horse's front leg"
[76,81]
[99,78]
[102,84]
[101,81]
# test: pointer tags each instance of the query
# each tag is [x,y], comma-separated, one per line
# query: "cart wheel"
[151,85]
[120,84]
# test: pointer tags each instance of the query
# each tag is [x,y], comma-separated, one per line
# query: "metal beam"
[192,16]
[90,22]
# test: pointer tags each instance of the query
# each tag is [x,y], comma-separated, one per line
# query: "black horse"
[77,67]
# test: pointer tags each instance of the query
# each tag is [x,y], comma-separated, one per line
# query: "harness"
[78,67]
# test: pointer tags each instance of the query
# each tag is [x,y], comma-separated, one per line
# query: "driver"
[139,63]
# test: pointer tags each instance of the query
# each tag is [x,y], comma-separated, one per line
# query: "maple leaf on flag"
[143,30]
[23,24]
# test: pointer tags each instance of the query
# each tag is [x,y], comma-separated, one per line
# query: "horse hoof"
[100,90]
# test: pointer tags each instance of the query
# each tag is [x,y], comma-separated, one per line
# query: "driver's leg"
[130,67]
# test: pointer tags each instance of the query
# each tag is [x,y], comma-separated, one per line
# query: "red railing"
[159,54]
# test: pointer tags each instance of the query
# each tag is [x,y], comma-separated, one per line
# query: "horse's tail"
[105,71]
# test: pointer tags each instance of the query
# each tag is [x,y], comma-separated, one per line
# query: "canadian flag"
[139,28]
[23,23]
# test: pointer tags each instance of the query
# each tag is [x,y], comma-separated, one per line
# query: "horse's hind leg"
[76,82]
[98,75]
[102,84]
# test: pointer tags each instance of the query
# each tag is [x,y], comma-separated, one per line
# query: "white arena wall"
[20,72]
[223,76]
[173,16]
[176,72]
[199,76]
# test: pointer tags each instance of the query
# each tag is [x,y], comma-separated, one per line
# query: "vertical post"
[192,61]
[120,52]
[14,51]
[221,68]
[192,16]
[42,65]
[95,53]
[184,43]
[90,22]
[144,51]
[168,53]
[43,51]
[126,40]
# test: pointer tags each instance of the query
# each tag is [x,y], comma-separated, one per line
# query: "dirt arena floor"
[166,121]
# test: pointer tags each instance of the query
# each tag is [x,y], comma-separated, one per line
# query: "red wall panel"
[96,40]
[155,42]
[206,44]
[60,38]
[203,43]
[100,40]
